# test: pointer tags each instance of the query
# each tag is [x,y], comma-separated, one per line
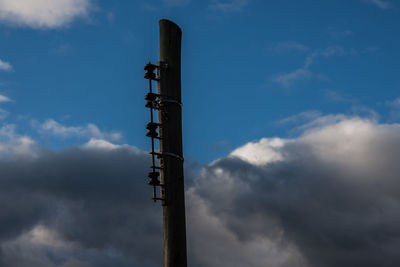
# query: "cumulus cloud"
[13,144]
[262,152]
[52,127]
[329,197]
[42,13]
[332,197]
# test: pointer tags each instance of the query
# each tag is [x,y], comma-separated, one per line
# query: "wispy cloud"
[302,117]
[230,6]
[394,108]
[304,73]
[3,98]
[394,103]
[337,34]
[4,113]
[310,120]
[5,66]
[62,49]
[336,96]
[90,130]
[110,16]
[176,2]
[42,13]
[287,79]
[286,47]
[379,3]
[324,53]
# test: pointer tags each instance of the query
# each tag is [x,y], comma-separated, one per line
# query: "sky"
[290,132]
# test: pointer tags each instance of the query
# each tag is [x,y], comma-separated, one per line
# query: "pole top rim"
[167,21]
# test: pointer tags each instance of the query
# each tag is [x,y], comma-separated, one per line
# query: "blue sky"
[290,119]
[248,65]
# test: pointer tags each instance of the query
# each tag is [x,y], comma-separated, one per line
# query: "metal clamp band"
[169,154]
[169,100]
[157,167]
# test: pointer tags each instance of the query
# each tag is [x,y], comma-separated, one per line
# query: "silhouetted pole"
[172,191]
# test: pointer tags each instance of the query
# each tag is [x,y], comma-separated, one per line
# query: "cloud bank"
[327,198]
[332,194]
[42,13]
[80,207]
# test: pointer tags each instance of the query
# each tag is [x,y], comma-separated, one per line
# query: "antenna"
[167,177]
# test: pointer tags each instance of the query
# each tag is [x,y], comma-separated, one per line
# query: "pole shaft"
[170,117]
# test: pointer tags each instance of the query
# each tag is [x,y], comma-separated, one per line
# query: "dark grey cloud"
[334,195]
[96,201]
[327,198]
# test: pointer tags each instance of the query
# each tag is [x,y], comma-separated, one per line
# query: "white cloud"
[379,3]
[42,13]
[345,141]
[101,144]
[41,235]
[332,137]
[230,6]
[3,98]
[5,66]
[265,151]
[55,128]
[13,144]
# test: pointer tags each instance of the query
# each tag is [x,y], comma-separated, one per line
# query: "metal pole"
[172,181]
